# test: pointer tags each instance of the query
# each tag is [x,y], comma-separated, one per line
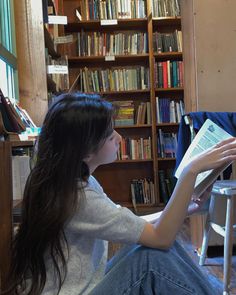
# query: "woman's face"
[106,154]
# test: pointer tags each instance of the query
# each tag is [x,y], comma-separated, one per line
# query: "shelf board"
[168,55]
[159,125]
[142,208]
[125,91]
[23,143]
[166,159]
[118,58]
[167,21]
[135,24]
[133,126]
[173,89]
[132,161]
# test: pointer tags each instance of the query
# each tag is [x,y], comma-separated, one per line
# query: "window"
[8,62]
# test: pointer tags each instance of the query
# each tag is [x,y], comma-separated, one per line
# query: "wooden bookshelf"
[116,177]
[7,204]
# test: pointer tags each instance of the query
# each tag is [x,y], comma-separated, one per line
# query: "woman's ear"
[88,158]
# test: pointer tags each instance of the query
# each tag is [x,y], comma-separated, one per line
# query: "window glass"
[8,70]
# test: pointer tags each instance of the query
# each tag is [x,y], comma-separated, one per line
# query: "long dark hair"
[75,125]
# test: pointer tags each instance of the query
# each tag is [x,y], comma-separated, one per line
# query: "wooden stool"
[226,188]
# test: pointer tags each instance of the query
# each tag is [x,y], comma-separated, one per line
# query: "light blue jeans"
[137,270]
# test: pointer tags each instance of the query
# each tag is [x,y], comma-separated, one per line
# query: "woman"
[61,245]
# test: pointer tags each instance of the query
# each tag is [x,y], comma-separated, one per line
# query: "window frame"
[8,47]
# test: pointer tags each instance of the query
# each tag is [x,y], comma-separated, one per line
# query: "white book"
[16,186]
[24,165]
[208,136]
[158,110]
[20,173]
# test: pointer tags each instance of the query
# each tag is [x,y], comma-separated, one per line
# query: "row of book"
[168,74]
[169,110]
[165,8]
[117,43]
[111,9]
[57,70]
[171,42]
[114,79]
[166,144]
[135,149]
[142,192]
[167,183]
[130,113]
[13,118]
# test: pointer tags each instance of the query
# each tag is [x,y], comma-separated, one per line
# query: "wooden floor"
[213,267]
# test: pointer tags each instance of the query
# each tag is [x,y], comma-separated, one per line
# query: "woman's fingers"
[219,155]
[225,142]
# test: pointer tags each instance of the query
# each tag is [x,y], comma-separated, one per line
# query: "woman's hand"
[197,203]
[217,156]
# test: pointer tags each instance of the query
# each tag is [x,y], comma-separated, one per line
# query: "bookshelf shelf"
[179,89]
[160,125]
[166,22]
[168,55]
[131,92]
[165,159]
[133,126]
[131,24]
[132,161]
[142,207]
[81,60]
[25,143]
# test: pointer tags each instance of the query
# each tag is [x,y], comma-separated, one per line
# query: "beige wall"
[209,29]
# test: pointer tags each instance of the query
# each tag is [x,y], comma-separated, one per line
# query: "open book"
[209,135]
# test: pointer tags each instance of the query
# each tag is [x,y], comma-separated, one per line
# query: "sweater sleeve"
[100,218]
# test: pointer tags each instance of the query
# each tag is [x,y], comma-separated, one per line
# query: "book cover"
[208,136]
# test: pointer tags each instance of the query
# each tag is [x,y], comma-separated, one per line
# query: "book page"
[208,136]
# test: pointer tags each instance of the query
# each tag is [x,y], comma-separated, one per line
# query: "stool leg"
[228,243]
[206,236]
[207,231]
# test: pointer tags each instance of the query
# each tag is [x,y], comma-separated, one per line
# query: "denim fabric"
[138,270]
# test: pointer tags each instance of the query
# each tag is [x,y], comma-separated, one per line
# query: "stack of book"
[117,43]
[114,79]
[165,8]
[13,119]
[169,111]
[168,74]
[110,9]
[142,192]
[125,114]
[166,144]
[135,149]
[163,42]
[166,183]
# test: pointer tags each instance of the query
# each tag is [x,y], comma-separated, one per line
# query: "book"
[208,136]
[10,120]
[164,194]
[20,173]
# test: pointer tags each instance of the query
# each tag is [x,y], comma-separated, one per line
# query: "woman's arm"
[162,233]
[194,206]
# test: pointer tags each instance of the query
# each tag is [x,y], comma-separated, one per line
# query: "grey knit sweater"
[98,221]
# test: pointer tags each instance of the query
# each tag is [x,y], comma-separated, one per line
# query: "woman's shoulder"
[94,185]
